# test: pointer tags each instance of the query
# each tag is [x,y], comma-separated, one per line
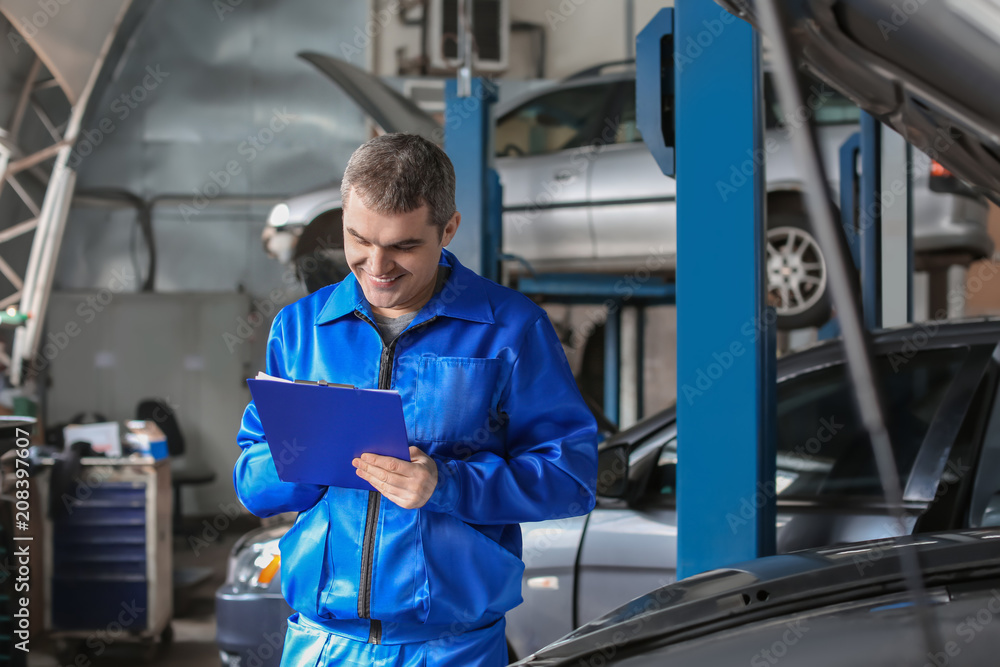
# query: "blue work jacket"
[488,394]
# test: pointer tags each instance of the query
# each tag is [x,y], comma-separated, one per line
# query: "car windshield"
[556,121]
[831,108]
[823,449]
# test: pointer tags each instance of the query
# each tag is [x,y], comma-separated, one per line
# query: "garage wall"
[209,111]
[110,349]
[982,290]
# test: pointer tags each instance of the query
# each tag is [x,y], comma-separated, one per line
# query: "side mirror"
[612,470]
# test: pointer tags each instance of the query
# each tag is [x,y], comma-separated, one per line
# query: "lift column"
[468,140]
[725,349]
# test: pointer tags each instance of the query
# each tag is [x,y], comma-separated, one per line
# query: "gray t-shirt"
[390,327]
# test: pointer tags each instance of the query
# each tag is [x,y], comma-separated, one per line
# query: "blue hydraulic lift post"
[468,140]
[849,151]
[870,221]
[725,482]
[612,363]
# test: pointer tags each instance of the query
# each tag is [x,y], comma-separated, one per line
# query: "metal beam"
[897,229]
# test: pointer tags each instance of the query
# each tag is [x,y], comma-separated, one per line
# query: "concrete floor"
[194,615]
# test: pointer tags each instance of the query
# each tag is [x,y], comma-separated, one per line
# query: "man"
[421,571]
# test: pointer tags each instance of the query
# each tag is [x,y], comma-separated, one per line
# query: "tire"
[797,284]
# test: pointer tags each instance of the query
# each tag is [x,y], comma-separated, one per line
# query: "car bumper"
[250,627]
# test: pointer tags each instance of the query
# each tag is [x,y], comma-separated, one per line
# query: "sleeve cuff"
[445,496]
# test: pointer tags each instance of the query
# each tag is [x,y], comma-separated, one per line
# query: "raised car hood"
[392,111]
[929,69]
[774,586]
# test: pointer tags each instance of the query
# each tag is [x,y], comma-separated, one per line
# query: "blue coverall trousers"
[309,645]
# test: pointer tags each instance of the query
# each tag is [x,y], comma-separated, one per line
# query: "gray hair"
[398,173]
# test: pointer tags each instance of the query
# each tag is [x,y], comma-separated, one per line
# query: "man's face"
[394,256]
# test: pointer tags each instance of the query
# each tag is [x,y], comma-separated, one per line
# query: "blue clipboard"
[316,430]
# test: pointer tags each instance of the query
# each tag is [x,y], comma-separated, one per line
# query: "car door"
[633,204]
[549,550]
[544,154]
[629,550]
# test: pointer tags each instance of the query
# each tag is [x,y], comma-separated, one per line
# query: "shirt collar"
[462,296]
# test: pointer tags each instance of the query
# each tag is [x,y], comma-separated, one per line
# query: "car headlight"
[256,565]
[279,215]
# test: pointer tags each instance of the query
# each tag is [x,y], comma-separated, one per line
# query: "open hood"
[774,587]
[392,111]
[928,69]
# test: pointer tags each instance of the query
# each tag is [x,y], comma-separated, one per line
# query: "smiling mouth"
[383,281]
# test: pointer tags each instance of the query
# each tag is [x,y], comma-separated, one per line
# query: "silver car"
[582,193]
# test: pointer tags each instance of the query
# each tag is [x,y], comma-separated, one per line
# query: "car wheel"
[796,273]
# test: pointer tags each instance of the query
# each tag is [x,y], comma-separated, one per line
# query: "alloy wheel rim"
[796,270]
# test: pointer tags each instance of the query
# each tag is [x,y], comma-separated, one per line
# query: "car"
[582,193]
[251,613]
[941,392]
[825,607]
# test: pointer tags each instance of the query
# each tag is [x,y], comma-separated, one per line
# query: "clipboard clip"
[324,383]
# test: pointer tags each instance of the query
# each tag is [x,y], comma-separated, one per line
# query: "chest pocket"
[455,396]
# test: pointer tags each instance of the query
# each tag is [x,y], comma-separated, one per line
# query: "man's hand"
[409,484]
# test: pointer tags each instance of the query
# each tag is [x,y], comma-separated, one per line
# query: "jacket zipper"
[375,500]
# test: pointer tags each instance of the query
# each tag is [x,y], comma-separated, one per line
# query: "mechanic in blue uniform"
[421,571]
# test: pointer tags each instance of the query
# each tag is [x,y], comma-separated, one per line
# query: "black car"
[827,607]
[940,386]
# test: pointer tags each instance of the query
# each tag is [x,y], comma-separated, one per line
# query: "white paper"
[261,375]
